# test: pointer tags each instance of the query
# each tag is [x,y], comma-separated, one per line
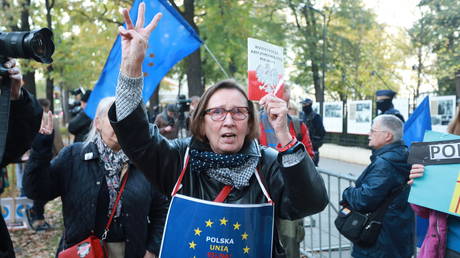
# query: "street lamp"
[323,65]
[374,73]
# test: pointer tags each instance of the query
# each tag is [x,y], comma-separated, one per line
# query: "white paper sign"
[359,116]
[265,68]
[333,117]
[442,110]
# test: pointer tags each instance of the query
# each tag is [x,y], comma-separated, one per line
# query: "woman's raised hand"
[134,41]
[277,110]
[46,126]
[416,171]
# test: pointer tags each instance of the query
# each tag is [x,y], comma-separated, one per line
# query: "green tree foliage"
[361,56]
[441,21]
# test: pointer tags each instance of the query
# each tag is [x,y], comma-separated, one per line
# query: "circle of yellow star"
[209,223]
[197,231]
[244,236]
[223,221]
[192,245]
[236,226]
[246,250]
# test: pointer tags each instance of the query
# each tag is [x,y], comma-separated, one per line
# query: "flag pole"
[215,59]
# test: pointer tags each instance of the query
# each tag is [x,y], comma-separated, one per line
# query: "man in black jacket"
[315,126]
[80,124]
[23,124]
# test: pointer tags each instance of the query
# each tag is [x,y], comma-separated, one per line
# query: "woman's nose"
[228,120]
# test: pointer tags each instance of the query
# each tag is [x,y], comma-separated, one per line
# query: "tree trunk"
[317,81]
[49,80]
[29,77]
[193,61]
[65,105]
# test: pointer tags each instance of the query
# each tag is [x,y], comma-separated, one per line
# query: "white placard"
[333,116]
[265,68]
[442,110]
[359,116]
[402,105]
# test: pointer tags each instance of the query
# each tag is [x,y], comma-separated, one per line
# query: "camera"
[37,45]
[183,104]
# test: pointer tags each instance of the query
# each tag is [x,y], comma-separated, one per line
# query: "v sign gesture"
[134,41]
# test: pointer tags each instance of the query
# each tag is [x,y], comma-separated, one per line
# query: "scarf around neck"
[113,164]
[229,169]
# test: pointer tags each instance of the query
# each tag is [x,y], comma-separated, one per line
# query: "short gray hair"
[102,110]
[392,124]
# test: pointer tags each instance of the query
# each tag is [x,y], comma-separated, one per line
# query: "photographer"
[24,118]
[80,124]
[166,122]
[23,124]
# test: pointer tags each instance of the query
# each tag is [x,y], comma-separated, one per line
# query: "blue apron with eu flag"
[199,228]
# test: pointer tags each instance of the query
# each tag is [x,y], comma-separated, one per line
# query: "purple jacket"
[434,244]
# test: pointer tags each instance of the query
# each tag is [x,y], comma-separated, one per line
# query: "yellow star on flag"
[197,231]
[244,236]
[236,226]
[192,245]
[246,250]
[209,223]
[223,221]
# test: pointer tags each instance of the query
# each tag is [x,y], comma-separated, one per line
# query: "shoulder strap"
[115,205]
[297,127]
[378,214]
[178,184]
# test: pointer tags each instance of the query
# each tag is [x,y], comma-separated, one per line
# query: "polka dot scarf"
[229,169]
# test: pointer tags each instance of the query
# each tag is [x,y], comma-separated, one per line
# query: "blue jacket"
[388,170]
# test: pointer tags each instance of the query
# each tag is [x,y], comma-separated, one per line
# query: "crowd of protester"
[123,169]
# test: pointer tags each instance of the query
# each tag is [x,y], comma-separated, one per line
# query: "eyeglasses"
[219,114]
[375,130]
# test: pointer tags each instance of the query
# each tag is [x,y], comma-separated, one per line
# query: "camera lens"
[36,44]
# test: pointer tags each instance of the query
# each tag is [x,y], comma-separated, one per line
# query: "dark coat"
[297,191]
[316,129]
[393,111]
[79,126]
[76,175]
[388,170]
[24,122]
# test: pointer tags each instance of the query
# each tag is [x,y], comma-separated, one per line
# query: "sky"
[396,13]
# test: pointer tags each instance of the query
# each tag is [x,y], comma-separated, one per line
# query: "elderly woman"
[87,176]
[222,161]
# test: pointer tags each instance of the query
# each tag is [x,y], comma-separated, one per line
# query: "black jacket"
[316,129]
[297,191]
[79,126]
[76,176]
[388,170]
[24,122]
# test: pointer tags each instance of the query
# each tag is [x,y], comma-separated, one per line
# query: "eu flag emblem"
[199,228]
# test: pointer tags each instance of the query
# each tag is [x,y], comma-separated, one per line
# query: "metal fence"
[321,237]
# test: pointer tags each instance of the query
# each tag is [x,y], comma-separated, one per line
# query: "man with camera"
[23,124]
[80,124]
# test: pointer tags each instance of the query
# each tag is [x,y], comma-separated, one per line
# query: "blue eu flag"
[198,228]
[170,42]
[414,130]
[418,123]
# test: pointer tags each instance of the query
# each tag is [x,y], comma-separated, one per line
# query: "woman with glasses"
[221,162]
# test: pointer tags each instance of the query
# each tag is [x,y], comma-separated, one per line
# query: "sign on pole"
[265,69]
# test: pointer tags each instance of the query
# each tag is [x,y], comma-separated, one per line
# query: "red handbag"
[92,246]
